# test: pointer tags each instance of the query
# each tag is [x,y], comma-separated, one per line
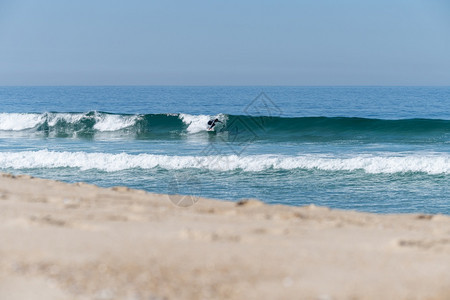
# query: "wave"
[66,121]
[375,164]
[239,127]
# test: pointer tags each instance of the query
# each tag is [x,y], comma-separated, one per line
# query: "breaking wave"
[376,164]
[163,126]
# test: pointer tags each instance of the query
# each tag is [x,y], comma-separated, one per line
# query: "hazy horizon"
[222,85]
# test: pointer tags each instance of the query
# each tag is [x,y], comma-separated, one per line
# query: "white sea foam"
[18,121]
[54,118]
[103,122]
[430,163]
[198,123]
[106,122]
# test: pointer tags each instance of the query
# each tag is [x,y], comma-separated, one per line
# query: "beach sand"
[79,241]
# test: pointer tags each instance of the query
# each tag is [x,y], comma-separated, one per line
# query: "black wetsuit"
[212,123]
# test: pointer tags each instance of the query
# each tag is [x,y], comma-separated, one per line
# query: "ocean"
[374,149]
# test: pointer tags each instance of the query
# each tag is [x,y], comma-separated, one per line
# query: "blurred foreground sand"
[78,241]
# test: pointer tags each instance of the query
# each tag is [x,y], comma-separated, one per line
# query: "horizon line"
[215,85]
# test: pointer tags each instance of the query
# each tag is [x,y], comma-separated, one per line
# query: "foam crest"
[107,122]
[53,118]
[101,121]
[431,163]
[19,121]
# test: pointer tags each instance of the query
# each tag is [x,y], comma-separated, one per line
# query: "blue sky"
[317,42]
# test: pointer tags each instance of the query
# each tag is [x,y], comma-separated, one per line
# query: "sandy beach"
[79,241]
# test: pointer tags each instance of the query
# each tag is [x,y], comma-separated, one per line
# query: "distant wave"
[161,126]
[376,164]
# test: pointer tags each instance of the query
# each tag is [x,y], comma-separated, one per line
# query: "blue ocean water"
[377,149]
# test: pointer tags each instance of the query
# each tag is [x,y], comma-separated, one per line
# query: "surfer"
[212,123]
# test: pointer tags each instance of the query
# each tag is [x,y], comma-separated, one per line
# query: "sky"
[213,42]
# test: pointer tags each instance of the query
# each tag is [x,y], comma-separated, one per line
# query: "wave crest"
[376,164]
[165,126]
[95,120]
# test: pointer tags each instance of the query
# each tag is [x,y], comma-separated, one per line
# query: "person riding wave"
[212,123]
